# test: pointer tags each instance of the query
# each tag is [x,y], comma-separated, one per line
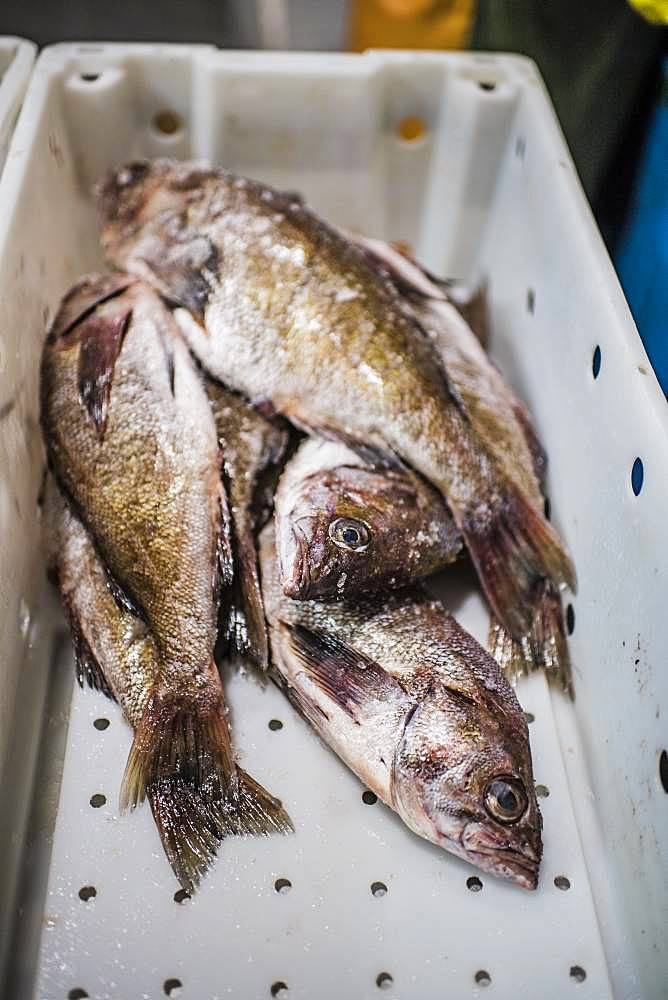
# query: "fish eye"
[349,533]
[506,799]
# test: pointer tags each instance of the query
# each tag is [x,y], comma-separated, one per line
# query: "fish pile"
[262,434]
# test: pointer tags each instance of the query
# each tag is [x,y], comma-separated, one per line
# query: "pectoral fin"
[350,678]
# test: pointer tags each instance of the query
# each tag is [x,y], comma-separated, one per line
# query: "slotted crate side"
[16,60]
[229,106]
[563,329]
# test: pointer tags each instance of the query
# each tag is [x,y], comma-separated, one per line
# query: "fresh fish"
[419,711]
[132,443]
[343,527]
[252,446]
[281,307]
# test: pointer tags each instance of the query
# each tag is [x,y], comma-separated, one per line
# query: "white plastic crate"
[488,190]
[16,59]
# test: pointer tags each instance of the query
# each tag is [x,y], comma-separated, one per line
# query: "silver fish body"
[419,711]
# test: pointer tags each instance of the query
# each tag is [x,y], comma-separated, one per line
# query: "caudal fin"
[514,549]
[181,759]
[257,812]
[190,829]
[544,646]
[184,737]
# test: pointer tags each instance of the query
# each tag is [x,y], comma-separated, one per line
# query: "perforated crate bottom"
[353,905]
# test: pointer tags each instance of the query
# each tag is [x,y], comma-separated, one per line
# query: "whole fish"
[419,711]
[282,307]
[131,441]
[343,527]
[252,446]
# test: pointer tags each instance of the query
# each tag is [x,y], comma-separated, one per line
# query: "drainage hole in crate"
[275,725]
[578,973]
[547,508]
[542,791]
[282,885]
[77,994]
[487,84]
[279,989]
[384,980]
[98,800]
[87,892]
[89,77]
[167,123]
[529,717]
[637,476]
[172,987]
[369,798]
[411,129]
[596,362]
[531,300]
[663,770]
[482,977]
[181,895]
[473,883]
[378,889]
[562,882]
[570,619]
[101,724]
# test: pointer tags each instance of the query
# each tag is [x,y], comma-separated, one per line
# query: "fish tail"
[184,737]
[258,811]
[181,759]
[514,548]
[190,828]
[543,647]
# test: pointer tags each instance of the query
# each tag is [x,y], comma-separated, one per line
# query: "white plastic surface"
[488,190]
[16,59]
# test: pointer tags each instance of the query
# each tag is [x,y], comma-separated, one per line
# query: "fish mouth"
[294,562]
[518,865]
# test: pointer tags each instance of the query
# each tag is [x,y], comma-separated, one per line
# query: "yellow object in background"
[654,11]
[411,24]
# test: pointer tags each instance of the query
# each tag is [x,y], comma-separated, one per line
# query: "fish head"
[463,779]
[349,529]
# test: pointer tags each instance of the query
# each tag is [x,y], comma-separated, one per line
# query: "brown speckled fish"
[282,307]
[344,528]
[132,443]
[252,446]
[419,711]
[504,425]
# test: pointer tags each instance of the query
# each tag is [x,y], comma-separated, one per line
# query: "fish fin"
[84,298]
[190,829]
[258,812]
[475,310]
[246,622]
[513,547]
[88,670]
[543,647]
[185,273]
[534,444]
[184,737]
[101,341]
[345,675]
[376,454]
[225,555]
